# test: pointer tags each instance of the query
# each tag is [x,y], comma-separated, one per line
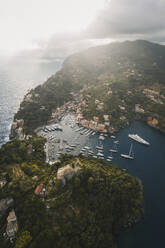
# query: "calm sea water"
[17,75]
[148,165]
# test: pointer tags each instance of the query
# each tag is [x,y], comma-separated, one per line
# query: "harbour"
[148,166]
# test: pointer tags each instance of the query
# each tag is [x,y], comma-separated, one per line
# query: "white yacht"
[114,149]
[138,139]
[128,156]
[101,137]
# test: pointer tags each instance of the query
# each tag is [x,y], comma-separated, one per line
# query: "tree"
[23,239]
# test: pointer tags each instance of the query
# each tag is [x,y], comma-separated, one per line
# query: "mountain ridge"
[130,65]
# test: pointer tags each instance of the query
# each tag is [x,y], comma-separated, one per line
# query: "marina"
[93,147]
[67,136]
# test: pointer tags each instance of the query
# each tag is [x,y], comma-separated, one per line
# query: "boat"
[99,147]
[87,147]
[110,157]
[94,156]
[114,148]
[138,139]
[101,137]
[99,154]
[109,160]
[128,156]
[116,142]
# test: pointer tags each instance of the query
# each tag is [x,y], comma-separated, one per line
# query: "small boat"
[94,156]
[110,157]
[116,142]
[73,145]
[99,154]
[101,137]
[113,150]
[128,156]
[109,160]
[99,147]
[87,147]
[113,137]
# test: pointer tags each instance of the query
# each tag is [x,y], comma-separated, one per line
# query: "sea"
[17,76]
[149,163]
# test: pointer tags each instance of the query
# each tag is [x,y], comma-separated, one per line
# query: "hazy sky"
[131,19]
[24,22]
[60,27]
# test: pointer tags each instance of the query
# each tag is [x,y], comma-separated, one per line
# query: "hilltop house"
[138,109]
[40,190]
[2,183]
[67,172]
[12,226]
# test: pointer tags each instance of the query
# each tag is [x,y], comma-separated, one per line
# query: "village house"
[20,123]
[109,93]
[162,96]
[96,119]
[84,123]
[2,182]
[152,121]
[121,108]
[28,98]
[100,106]
[112,129]
[80,117]
[107,123]
[106,117]
[100,127]
[150,92]
[40,190]
[129,92]
[138,109]
[12,226]
[92,124]
[97,101]
[122,118]
[67,172]
[42,108]
[29,149]
[14,125]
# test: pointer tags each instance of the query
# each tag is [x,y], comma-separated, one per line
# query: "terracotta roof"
[38,189]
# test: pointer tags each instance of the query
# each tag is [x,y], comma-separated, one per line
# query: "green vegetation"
[37,109]
[89,211]
[119,67]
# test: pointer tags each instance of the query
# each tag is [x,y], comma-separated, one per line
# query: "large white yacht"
[138,139]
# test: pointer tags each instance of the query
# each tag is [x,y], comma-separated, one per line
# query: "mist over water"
[17,75]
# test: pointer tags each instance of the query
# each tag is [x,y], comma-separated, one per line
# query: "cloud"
[122,19]
[118,20]
[59,46]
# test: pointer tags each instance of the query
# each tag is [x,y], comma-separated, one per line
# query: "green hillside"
[125,68]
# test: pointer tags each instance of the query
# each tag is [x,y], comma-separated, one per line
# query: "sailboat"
[128,156]
[114,148]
